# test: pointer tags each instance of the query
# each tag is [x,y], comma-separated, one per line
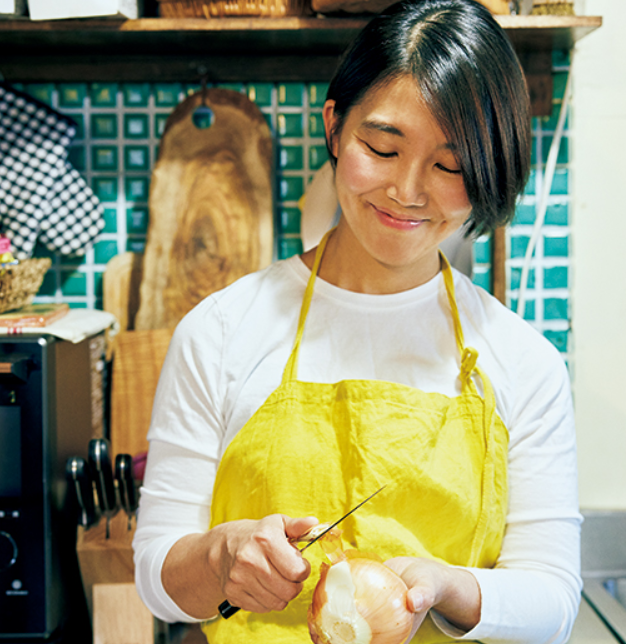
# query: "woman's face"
[398,183]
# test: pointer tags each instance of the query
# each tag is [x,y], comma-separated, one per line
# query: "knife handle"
[102,470]
[79,479]
[126,482]
[227,609]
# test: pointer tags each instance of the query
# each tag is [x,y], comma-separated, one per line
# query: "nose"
[408,188]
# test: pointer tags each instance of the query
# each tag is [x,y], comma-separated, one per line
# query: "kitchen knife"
[102,470]
[126,485]
[80,482]
[227,610]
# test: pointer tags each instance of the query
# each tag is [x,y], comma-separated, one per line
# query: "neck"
[347,265]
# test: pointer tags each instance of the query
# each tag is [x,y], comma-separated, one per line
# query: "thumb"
[420,598]
[295,528]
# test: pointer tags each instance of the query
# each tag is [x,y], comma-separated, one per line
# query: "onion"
[330,542]
[312,534]
[359,601]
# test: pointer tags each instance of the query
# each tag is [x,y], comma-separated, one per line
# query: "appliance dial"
[8,550]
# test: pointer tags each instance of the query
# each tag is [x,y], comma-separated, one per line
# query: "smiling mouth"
[406,221]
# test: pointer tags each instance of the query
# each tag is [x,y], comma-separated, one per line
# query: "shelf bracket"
[537,65]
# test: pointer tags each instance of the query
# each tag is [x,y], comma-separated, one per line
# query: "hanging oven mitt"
[39,190]
[73,216]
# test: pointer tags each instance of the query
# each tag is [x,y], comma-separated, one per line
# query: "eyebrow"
[381,126]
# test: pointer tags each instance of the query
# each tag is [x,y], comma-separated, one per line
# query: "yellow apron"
[318,449]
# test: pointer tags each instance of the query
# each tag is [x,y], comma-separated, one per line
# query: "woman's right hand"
[258,569]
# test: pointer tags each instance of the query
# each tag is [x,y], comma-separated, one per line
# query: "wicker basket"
[19,283]
[552,8]
[233,8]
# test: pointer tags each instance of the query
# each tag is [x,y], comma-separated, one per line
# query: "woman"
[402,374]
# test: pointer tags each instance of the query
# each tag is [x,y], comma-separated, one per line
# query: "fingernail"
[417,602]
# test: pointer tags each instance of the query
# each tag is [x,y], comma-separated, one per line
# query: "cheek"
[356,172]
[454,200]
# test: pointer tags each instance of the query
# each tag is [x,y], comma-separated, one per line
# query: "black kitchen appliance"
[51,405]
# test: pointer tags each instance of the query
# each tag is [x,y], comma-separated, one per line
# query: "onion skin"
[379,598]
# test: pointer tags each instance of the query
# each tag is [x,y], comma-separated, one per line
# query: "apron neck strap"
[448,280]
[291,368]
[468,355]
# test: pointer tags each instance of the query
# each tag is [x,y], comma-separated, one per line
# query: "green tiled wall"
[547,305]
[119,128]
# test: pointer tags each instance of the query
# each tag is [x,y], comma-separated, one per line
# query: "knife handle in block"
[126,484]
[102,470]
[79,479]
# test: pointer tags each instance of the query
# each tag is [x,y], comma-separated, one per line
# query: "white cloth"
[74,327]
[229,353]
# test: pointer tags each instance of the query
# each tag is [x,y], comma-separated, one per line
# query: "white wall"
[599,255]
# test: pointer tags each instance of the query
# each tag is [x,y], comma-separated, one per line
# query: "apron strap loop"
[468,363]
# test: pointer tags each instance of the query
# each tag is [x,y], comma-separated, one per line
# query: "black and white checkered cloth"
[41,194]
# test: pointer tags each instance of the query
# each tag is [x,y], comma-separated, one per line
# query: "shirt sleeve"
[184,443]
[533,593]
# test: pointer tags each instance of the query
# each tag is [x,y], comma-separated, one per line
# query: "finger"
[254,603]
[400,564]
[286,559]
[290,564]
[421,597]
[295,528]
[257,576]
[255,596]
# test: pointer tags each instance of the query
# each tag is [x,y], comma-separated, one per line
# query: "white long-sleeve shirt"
[228,355]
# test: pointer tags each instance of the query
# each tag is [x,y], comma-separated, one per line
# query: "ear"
[330,126]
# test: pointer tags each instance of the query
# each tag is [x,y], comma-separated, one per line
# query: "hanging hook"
[203,116]
[203,84]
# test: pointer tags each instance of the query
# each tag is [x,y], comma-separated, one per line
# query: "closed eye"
[448,170]
[383,155]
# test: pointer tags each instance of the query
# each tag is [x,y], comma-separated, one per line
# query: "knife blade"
[227,610]
[126,485]
[80,482]
[102,469]
[345,516]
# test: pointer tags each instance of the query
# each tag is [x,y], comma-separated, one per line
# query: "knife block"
[120,616]
[108,574]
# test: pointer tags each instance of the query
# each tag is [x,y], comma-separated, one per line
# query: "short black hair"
[468,73]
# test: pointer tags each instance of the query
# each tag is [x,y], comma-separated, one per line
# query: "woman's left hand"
[453,592]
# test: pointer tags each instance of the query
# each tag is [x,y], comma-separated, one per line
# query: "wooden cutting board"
[211,209]
[34,315]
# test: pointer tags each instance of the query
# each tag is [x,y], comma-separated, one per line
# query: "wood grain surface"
[211,212]
[102,560]
[120,617]
[120,288]
[137,363]
[375,6]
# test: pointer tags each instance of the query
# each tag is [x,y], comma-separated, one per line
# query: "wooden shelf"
[225,50]
[244,49]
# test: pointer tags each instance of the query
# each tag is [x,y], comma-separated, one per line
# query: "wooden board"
[120,617]
[34,315]
[137,363]
[120,286]
[376,6]
[211,212]
[102,560]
